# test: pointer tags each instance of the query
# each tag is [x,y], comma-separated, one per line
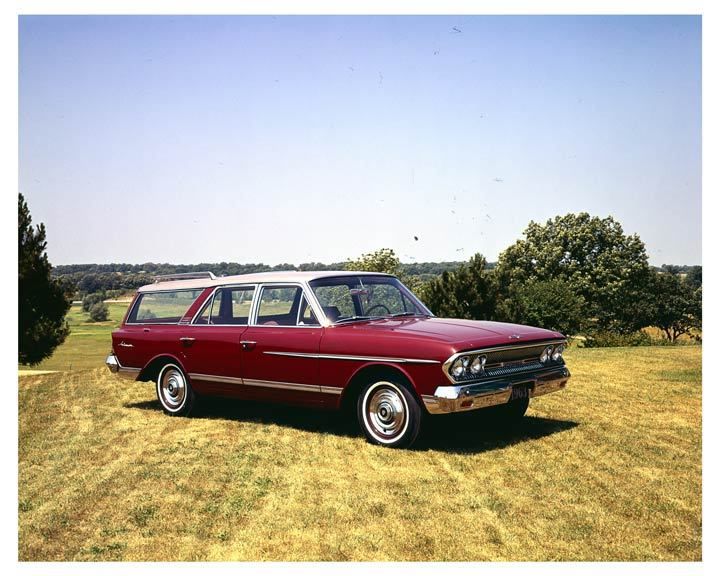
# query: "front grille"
[513,369]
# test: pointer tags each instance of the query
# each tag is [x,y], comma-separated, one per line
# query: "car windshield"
[347,298]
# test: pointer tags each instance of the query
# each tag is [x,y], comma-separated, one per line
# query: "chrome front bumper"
[115,367]
[466,397]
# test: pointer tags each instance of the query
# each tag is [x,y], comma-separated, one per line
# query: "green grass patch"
[608,469]
[88,343]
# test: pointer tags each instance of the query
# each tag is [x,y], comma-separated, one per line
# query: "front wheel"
[174,391]
[389,414]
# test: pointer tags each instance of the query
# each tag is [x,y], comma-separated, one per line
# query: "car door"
[280,347]
[210,344]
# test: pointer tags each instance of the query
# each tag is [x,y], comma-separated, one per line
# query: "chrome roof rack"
[185,276]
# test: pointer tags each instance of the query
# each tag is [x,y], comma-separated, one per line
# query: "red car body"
[325,361]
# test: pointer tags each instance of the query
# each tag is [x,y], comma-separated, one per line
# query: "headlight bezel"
[546,354]
[477,366]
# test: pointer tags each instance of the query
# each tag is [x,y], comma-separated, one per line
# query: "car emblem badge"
[514,336]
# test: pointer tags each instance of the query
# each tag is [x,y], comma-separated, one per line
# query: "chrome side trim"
[282,385]
[357,358]
[267,383]
[211,378]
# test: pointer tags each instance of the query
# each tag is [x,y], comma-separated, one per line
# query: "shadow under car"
[469,432]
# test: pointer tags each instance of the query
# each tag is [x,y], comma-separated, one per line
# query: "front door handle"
[187,341]
[247,344]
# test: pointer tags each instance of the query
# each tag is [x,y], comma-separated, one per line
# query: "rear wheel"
[174,391]
[389,414]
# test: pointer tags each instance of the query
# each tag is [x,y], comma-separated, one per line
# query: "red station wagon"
[331,340]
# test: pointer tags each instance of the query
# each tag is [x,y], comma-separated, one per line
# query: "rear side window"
[227,306]
[162,307]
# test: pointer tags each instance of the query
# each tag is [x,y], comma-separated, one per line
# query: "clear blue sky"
[295,139]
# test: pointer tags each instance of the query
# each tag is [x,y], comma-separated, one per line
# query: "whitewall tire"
[174,392]
[389,414]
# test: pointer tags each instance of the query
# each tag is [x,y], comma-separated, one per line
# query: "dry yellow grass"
[609,469]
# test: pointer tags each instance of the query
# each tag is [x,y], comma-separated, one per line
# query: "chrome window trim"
[276,326]
[446,365]
[141,295]
[252,320]
[212,296]
[356,358]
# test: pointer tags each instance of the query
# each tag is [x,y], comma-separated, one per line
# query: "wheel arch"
[373,372]
[151,371]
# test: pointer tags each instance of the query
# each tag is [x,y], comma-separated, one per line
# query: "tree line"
[577,274]
[114,279]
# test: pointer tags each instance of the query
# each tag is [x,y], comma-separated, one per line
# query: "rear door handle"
[247,344]
[187,340]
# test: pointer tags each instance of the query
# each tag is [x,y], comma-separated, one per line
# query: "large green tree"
[469,292]
[598,261]
[43,302]
[383,260]
[676,305]
[551,304]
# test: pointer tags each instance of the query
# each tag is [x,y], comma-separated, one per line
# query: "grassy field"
[88,342]
[609,469]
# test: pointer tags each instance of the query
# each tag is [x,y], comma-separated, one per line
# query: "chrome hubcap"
[172,388]
[386,412]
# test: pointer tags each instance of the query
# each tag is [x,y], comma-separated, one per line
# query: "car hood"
[460,334]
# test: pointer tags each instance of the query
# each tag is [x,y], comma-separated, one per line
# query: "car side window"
[279,305]
[228,306]
[165,307]
[306,317]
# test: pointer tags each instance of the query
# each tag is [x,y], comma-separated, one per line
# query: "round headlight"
[458,368]
[558,352]
[478,365]
[545,356]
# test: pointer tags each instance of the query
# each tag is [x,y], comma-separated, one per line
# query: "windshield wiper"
[352,318]
[401,314]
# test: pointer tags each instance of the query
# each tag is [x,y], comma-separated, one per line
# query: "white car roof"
[283,276]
